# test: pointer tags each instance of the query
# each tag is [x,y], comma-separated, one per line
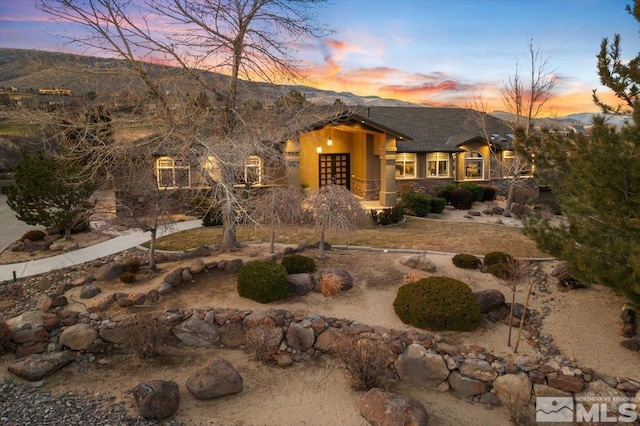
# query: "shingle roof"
[434,129]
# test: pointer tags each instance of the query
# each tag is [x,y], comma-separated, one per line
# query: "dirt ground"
[583,323]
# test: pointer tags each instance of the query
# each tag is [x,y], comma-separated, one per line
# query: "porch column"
[292,159]
[388,192]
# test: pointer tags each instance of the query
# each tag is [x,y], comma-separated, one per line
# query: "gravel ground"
[24,404]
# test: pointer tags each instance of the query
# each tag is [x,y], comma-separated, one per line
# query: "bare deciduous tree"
[243,41]
[516,272]
[335,209]
[276,207]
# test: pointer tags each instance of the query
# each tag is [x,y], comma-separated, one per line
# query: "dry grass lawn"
[415,233]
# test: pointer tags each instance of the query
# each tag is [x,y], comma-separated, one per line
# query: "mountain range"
[32,69]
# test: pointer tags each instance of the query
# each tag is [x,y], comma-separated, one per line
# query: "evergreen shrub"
[418,203]
[388,216]
[466,261]
[490,193]
[495,257]
[212,218]
[500,270]
[298,264]
[476,190]
[437,205]
[263,282]
[438,303]
[461,199]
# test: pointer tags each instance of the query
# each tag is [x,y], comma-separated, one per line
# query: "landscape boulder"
[386,408]
[489,300]
[88,291]
[28,319]
[513,390]
[78,337]
[196,332]
[35,367]
[420,262]
[300,336]
[109,271]
[300,284]
[157,399]
[217,378]
[421,368]
[346,280]
[464,386]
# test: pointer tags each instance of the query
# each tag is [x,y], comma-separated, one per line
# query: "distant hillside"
[572,122]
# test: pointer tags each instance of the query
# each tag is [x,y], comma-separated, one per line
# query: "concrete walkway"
[80,256]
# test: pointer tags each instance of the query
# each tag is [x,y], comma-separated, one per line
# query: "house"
[377,151]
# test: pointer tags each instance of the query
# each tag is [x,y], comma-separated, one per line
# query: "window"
[514,164]
[405,166]
[173,173]
[438,164]
[252,171]
[473,166]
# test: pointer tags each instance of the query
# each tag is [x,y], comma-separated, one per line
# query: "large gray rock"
[88,291]
[78,337]
[346,280]
[174,277]
[157,399]
[513,389]
[196,332]
[197,266]
[421,368]
[478,369]
[329,341]
[35,367]
[29,319]
[300,284]
[599,391]
[390,409]
[464,386]
[110,271]
[300,336]
[420,262]
[217,378]
[231,334]
[489,300]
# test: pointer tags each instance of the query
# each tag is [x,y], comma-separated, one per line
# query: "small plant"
[330,284]
[461,199]
[132,265]
[388,216]
[476,190]
[212,218]
[466,261]
[438,303]
[145,337]
[419,204]
[128,277]
[263,282]
[437,205]
[33,235]
[263,340]
[367,362]
[298,264]
[5,338]
[496,257]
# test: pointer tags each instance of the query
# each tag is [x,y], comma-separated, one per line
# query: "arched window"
[473,166]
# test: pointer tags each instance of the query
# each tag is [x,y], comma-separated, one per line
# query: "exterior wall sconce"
[329,142]
[318,149]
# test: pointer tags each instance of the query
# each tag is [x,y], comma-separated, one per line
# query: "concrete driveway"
[11,229]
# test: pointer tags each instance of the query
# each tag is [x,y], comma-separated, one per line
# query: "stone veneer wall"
[367,189]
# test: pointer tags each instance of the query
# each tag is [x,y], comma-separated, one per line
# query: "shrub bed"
[298,264]
[263,282]
[388,216]
[438,303]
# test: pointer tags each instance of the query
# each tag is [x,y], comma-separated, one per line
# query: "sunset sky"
[438,52]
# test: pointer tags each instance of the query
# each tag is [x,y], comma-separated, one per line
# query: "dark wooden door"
[335,169]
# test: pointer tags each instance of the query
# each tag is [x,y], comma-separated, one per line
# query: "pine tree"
[50,192]
[596,179]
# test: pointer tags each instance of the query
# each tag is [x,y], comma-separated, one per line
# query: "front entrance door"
[335,169]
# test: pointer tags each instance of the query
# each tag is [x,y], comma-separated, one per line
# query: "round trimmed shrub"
[263,282]
[212,218]
[437,205]
[461,199]
[476,190]
[500,270]
[128,277]
[33,235]
[298,264]
[466,261]
[438,303]
[490,193]
[495,257]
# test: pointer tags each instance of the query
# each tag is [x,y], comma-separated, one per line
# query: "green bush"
[132,265]
[476,190]
[437,205]
[263,282]
[128,277]
[461,199]
[500,270]
[466,261]
[212,218]
[298,264]
[438,303]
[444,193]
[490,193]
[33,235]
[418,203]
[388,216]
[495,257]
